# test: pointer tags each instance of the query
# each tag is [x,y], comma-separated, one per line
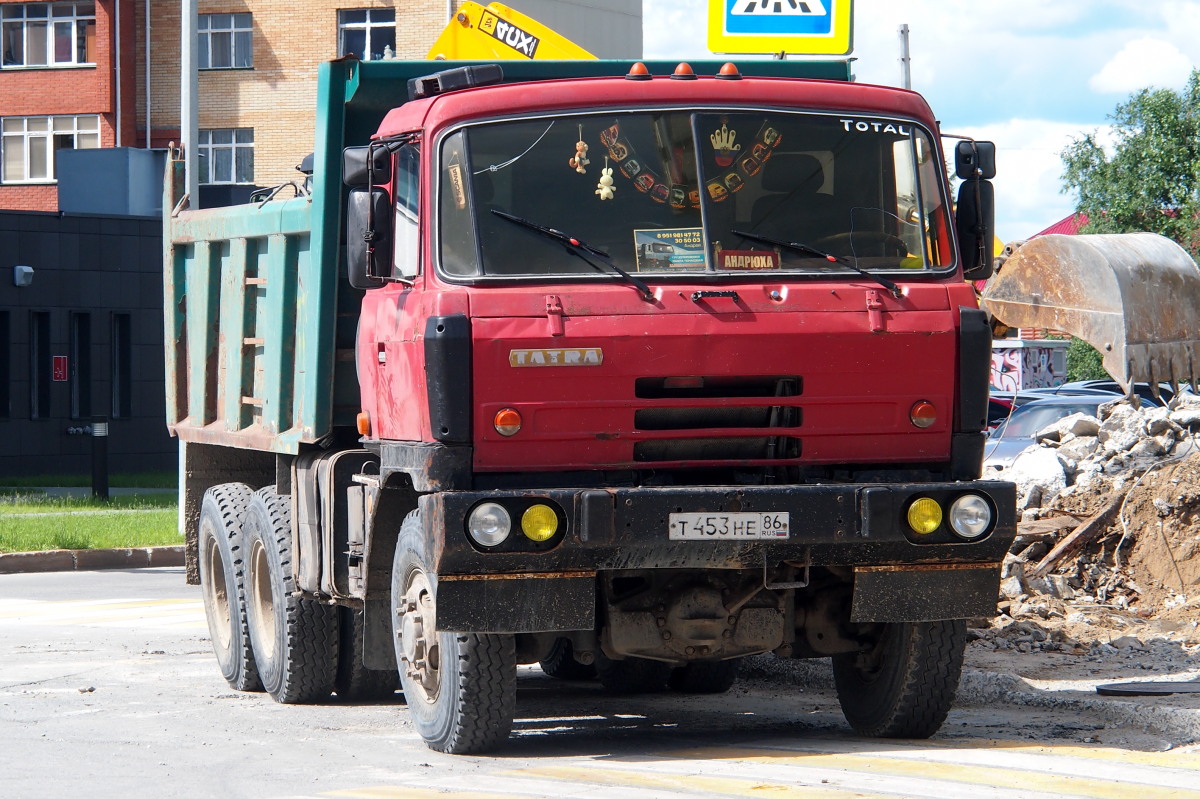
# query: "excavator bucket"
[1135,297]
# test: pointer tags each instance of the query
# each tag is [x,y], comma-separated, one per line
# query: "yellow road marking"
[693,784]
[936,770]
[406,792]
[35,608]
[1181,759]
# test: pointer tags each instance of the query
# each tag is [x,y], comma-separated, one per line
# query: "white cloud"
[1028,172]
[1142,63]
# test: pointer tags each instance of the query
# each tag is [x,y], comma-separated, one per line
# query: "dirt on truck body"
[445,416]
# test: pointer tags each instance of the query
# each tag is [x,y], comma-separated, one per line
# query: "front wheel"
[904,684]
[461,688]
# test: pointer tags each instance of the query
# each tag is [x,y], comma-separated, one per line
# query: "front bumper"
[627,528]
[524,587]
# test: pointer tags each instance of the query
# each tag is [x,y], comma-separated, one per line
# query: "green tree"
[1151,180]
[1084,362]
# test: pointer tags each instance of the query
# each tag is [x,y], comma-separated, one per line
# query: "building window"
[226,155]
[5,369]
[366,32]
[48,34]
[122,367]
[40,365]
[226,41]
[28,144]
[81,365]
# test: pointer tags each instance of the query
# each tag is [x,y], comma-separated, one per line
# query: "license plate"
[727,526]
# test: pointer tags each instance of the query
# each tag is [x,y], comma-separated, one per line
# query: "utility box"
[132,179]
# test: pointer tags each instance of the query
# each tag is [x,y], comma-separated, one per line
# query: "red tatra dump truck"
[629,372]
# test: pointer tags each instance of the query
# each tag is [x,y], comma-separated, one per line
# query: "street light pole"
[189,91]
[905,60]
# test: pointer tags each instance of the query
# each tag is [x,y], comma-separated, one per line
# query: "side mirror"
[368,237]
[975,222]
[975,159]
[357,170]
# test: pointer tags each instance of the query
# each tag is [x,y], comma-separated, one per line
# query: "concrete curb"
[983,688]
[56,560]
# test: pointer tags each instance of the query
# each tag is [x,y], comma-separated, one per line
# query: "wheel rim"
[260,602]
[216,597]
[419,649]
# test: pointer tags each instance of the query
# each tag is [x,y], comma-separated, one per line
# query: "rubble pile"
[1107,556]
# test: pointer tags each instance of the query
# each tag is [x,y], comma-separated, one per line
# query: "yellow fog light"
[539,523]
[924,516]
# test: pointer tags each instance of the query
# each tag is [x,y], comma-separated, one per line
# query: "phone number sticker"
[725,526]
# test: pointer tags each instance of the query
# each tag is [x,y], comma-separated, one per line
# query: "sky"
[1030,75]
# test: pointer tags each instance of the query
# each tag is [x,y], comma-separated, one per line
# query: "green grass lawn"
[31,521]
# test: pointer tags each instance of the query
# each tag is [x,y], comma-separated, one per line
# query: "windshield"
[685,192]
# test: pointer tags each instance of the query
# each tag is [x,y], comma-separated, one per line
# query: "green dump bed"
[260,322]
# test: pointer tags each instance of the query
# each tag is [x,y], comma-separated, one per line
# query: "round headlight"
[924,516]
[970,516]
[539,523]
[489,524]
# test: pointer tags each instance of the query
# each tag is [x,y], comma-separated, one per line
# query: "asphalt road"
[108,688]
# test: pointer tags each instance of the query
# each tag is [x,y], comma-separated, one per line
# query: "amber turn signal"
[364,424]
[923,414]
[507,422]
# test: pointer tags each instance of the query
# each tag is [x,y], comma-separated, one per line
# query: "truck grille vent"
[718,403]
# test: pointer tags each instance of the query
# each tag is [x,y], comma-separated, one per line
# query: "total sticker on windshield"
[875,126]
[659,249]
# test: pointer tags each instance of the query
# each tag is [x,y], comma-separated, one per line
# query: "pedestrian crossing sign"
[801,27]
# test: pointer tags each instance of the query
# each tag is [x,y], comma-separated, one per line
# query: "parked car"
[1016,434]
[1165,390]
[1002,403]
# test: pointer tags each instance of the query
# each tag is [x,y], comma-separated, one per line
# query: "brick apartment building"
[67,81]
[99,73]
[258,64]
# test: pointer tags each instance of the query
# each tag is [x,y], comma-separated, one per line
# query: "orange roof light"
[638,71]
[729,71]
[683,72]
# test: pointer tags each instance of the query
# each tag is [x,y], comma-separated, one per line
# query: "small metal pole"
[100,457]
[905,60]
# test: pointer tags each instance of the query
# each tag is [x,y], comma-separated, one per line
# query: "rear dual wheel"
[295,638]
[222,582]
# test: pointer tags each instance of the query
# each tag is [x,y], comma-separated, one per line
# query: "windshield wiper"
[577,248]
[833,259]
